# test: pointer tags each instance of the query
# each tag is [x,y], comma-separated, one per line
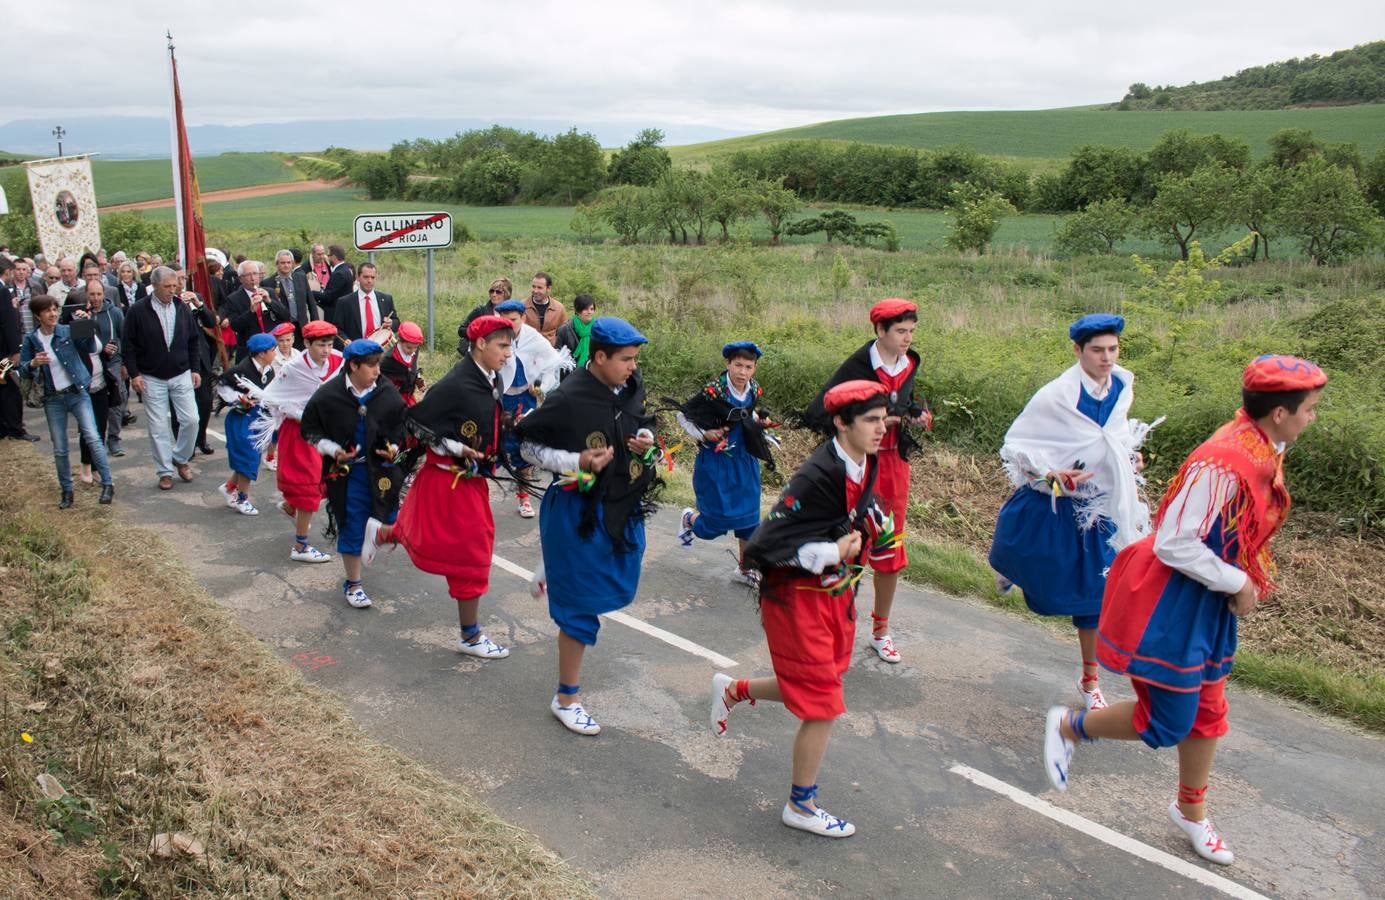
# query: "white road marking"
[629,621]
[216,434]
[1106,835]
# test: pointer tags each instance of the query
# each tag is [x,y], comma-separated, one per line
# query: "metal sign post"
[426,231]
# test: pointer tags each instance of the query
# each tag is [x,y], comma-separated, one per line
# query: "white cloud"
[741,65]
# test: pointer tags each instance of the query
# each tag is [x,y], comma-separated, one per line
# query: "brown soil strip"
[240,193]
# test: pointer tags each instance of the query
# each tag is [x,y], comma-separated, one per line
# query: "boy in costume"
[889,360]
[284,336]
[240,389]
[810,549]
[1168,621]
[594,434]
[356,422]
[1073,458]
[446,523]
[533,368]
[298,469]
[732,442]
[400,364]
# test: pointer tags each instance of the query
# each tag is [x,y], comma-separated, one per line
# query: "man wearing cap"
[533,369]
[400,364]
[365,312]
[356,421]
[1168,621]
[240,389]
[1073,458]
[731,444]
[446,523]
[298,466]
[812,548]
[596,438]
[290,287]
[889,360]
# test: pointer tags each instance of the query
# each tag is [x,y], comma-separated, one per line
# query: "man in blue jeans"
[161,347]
[51,353]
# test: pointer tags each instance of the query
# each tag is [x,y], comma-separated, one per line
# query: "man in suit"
[362,313]
[251,309]
[339,282]
[290,286]
[11,336]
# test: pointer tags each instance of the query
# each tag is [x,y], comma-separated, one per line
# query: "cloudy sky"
[747,66]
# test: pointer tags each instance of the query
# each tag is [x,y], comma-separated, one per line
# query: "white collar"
[314,367]
[490,376]
[854,470]
[739,395]
[263,369]
[352,388]
[877,363]
[1097,391]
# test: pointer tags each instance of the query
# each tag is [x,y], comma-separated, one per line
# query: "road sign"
[403,231]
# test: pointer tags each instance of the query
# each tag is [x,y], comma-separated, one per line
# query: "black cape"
[332,413]
[857,367]
[463,406]
[710,408]
[812,508]
[583,413]
[246,369]
[404,378]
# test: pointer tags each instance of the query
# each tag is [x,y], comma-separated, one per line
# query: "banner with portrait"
[64,206]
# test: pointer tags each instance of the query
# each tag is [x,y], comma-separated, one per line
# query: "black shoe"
[115,450]
[66,501]
[205,450]
[31,438]
[128,419]
[107,494]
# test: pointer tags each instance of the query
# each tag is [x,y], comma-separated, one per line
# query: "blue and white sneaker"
[228,496]
[309,554]
[685,526]
[483,648]
[1057,749]
[574,718]
[356,596]
[821,822]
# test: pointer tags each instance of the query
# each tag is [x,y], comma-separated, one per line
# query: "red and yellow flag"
[187,198]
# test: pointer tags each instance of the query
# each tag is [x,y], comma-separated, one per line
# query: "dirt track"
[240,193]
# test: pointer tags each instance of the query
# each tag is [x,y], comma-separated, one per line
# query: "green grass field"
[1048,134]
[331,213]
[133,180]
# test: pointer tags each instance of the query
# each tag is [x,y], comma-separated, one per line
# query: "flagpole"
[176,157]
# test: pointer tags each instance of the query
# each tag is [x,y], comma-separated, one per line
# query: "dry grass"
[151,705]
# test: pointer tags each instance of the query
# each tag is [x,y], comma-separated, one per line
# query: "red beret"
[892,308]
[483,326]
[318,329]
[409,331]
[851,392]
[282,328]
[1274,374]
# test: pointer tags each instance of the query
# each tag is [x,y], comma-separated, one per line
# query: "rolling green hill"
[1034,136]
[130,181]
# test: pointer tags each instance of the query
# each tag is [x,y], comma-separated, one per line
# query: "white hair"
[253,267]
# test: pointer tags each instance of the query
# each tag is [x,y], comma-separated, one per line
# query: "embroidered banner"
[64,206]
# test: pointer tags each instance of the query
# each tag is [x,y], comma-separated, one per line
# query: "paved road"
[657,807]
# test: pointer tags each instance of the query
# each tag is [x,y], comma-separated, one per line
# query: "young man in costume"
[400,364]
[810,549]
[356,422]
[298,466]
[889,360]
[596,437]
[731,444]
[1168,621]
[283,338]
[533,368]
[240,389]
[1073,457]
[446,523]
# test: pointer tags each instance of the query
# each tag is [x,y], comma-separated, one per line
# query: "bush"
[491,179]
[976,217]
[1096,229]
[382,177]
[132,232]
[432,190]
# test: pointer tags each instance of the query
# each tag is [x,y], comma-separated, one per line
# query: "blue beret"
[510,306]
[1095,323]
[612,332]
[361,347]
[259,343]
[736,346]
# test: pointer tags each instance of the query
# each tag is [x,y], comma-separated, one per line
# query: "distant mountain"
[132,137]
[1345,77]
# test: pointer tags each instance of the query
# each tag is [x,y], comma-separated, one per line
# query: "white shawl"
[1051,434]
[542,364]
[287,396]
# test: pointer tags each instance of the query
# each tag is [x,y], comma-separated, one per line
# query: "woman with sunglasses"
[499,291]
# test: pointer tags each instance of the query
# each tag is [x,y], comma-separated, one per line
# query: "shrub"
[976,217]
[132,232]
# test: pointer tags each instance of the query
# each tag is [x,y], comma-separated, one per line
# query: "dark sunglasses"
[497,291]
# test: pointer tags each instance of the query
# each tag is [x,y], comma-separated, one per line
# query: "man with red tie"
[362,313]
[251,309]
